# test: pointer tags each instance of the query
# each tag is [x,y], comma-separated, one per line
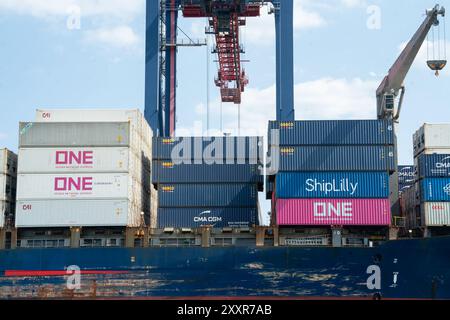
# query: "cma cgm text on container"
[347,212]
[433,165]
[216,217]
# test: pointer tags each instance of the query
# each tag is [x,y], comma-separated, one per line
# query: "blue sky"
[339,63]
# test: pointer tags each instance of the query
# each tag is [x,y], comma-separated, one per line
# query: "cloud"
[114,15]
[121,37]
[321,99]
[49,8]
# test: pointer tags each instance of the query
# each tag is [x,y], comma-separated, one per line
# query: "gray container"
[332,132]
[92,134]
[342,158]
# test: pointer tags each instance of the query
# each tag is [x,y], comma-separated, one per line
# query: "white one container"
[89,159]
[432,136]
[104,156]
[72,213]
[74,186]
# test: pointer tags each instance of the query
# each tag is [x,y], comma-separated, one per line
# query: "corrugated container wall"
[207,195]
[354,185]
[168,172]
[436,214]
[192,150]
[8,182]
[347,212]
[87,156]
[435,189]
[216,217]
[433,165]
[89,134]
[406,174]
[343,158]
[431,136]
[333,132]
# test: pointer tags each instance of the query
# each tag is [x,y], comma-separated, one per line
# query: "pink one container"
[346,212]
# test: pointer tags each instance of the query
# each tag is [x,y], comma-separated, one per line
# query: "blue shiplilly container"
[198,150]
[216,217]
[329,158]
[433,165]
[406,174]
[332,132]
[371,185]
[207,195]
[435,190]
[168,172]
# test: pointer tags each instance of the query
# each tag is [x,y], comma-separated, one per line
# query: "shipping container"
[435,214]
[346,212]
[433,165]
[410,204]
[198,150]
[216,217]
[89,115]
[325,158]
[74,186]
[168,172]
[435,189]
[79,213]
[406,174]
[402,187]
[8,187]
[207,195]
[8,162]
[332,132]
[431,136]
[6,209]
[51,160]
[371,185]
[59,134]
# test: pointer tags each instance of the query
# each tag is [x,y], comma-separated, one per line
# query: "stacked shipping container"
[87,168]
[8,181]
[207,181]
[428,203]
[331,172]
[406,177]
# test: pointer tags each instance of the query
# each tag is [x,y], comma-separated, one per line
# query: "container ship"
[103,203]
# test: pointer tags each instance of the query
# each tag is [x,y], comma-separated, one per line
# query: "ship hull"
[408,269]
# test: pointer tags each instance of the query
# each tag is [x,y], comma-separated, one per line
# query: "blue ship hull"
[410,269]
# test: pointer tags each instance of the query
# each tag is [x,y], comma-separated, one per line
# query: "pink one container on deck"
[313,212]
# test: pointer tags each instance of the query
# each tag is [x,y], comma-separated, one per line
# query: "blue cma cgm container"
[370,185]
[168,172]
[333,132]
[433,165]
[435,190]
[198,148]
[216,217]
[406,175]
[207,195]
[326,158]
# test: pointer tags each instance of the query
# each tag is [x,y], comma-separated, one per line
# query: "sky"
[91,54]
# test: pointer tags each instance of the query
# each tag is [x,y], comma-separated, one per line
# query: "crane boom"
[392,84]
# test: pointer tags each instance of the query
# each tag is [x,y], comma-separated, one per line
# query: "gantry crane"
[225,17]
